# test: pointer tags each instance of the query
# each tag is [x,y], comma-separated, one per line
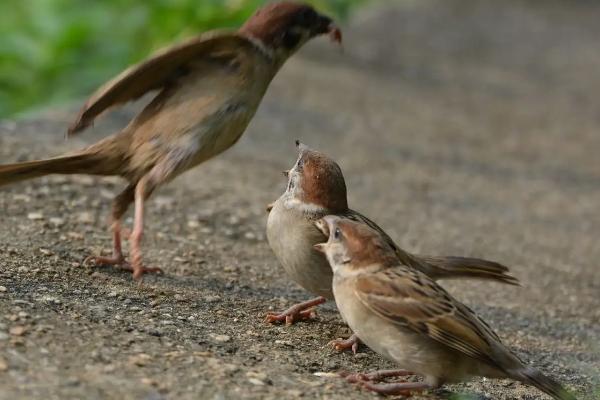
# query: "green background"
[53,51]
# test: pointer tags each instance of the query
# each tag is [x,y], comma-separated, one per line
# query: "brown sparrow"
[207,90]
[316,188]
[402,314]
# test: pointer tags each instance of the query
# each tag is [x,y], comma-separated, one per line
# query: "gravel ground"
[463,127]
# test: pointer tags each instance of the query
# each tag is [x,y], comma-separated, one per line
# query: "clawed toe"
[291,317]
[299,312]
[369,382]
[140,271]
[120,263]
[114,261]
[395,389]
[344,344]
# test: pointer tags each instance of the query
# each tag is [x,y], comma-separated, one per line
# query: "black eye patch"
[337,233]
[290,39]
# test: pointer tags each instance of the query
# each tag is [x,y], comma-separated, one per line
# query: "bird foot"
[114,261]
[118,261]
[344,344]
[396,389]
[299,312]
[368,381]
[376,376]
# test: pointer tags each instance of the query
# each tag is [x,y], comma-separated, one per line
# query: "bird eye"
[337,234]
[290,39]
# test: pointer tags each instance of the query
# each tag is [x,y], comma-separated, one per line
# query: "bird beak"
[286,173]
[320,247]
[301,147]
[322,225]
[335,34]
[327,26]
[270,207]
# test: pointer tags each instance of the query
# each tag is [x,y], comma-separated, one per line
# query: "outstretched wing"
[157,72]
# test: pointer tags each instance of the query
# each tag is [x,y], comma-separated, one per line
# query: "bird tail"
[548,385]
[465,267]
[81,163]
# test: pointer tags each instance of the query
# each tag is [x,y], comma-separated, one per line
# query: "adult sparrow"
[405,316]
[316,188]
[207,91]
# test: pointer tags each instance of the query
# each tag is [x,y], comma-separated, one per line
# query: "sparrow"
[207,90]
[405,316]
[316,188]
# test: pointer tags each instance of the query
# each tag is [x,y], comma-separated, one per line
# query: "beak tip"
[335,34]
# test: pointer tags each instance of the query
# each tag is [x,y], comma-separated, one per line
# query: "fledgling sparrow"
[316,188]
[208,89]
[405,316]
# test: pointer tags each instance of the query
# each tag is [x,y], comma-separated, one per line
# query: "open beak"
[320,247]
[301,147]
[335,34]
[322,225]
[327,26]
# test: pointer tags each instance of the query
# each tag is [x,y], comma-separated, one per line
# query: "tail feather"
[82,163]
[547,385]
[465,267]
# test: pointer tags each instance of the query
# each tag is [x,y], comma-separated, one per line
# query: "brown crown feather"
[269,22]
[322,181]
[365,246]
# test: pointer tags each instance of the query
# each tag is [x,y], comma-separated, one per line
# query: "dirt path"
[463,127]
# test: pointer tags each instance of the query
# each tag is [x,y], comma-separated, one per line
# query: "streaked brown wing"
[448,267]
[413,301]
[158,71]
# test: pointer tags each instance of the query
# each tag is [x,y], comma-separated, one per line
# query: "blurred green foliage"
[52,51]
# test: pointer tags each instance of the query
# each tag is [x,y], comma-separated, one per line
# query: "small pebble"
[35,216]
[221,338]
[2,288]
[179,297]
[140,359]
[149,382]
[17,330]
[46,252]
[57,221]
[86,217]
[193,224]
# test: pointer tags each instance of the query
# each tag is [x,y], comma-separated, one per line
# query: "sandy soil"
[463,127]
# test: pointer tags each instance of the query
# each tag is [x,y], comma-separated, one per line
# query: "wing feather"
[413,301]
[158,71]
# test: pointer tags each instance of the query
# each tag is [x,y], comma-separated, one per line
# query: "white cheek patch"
[299,205]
